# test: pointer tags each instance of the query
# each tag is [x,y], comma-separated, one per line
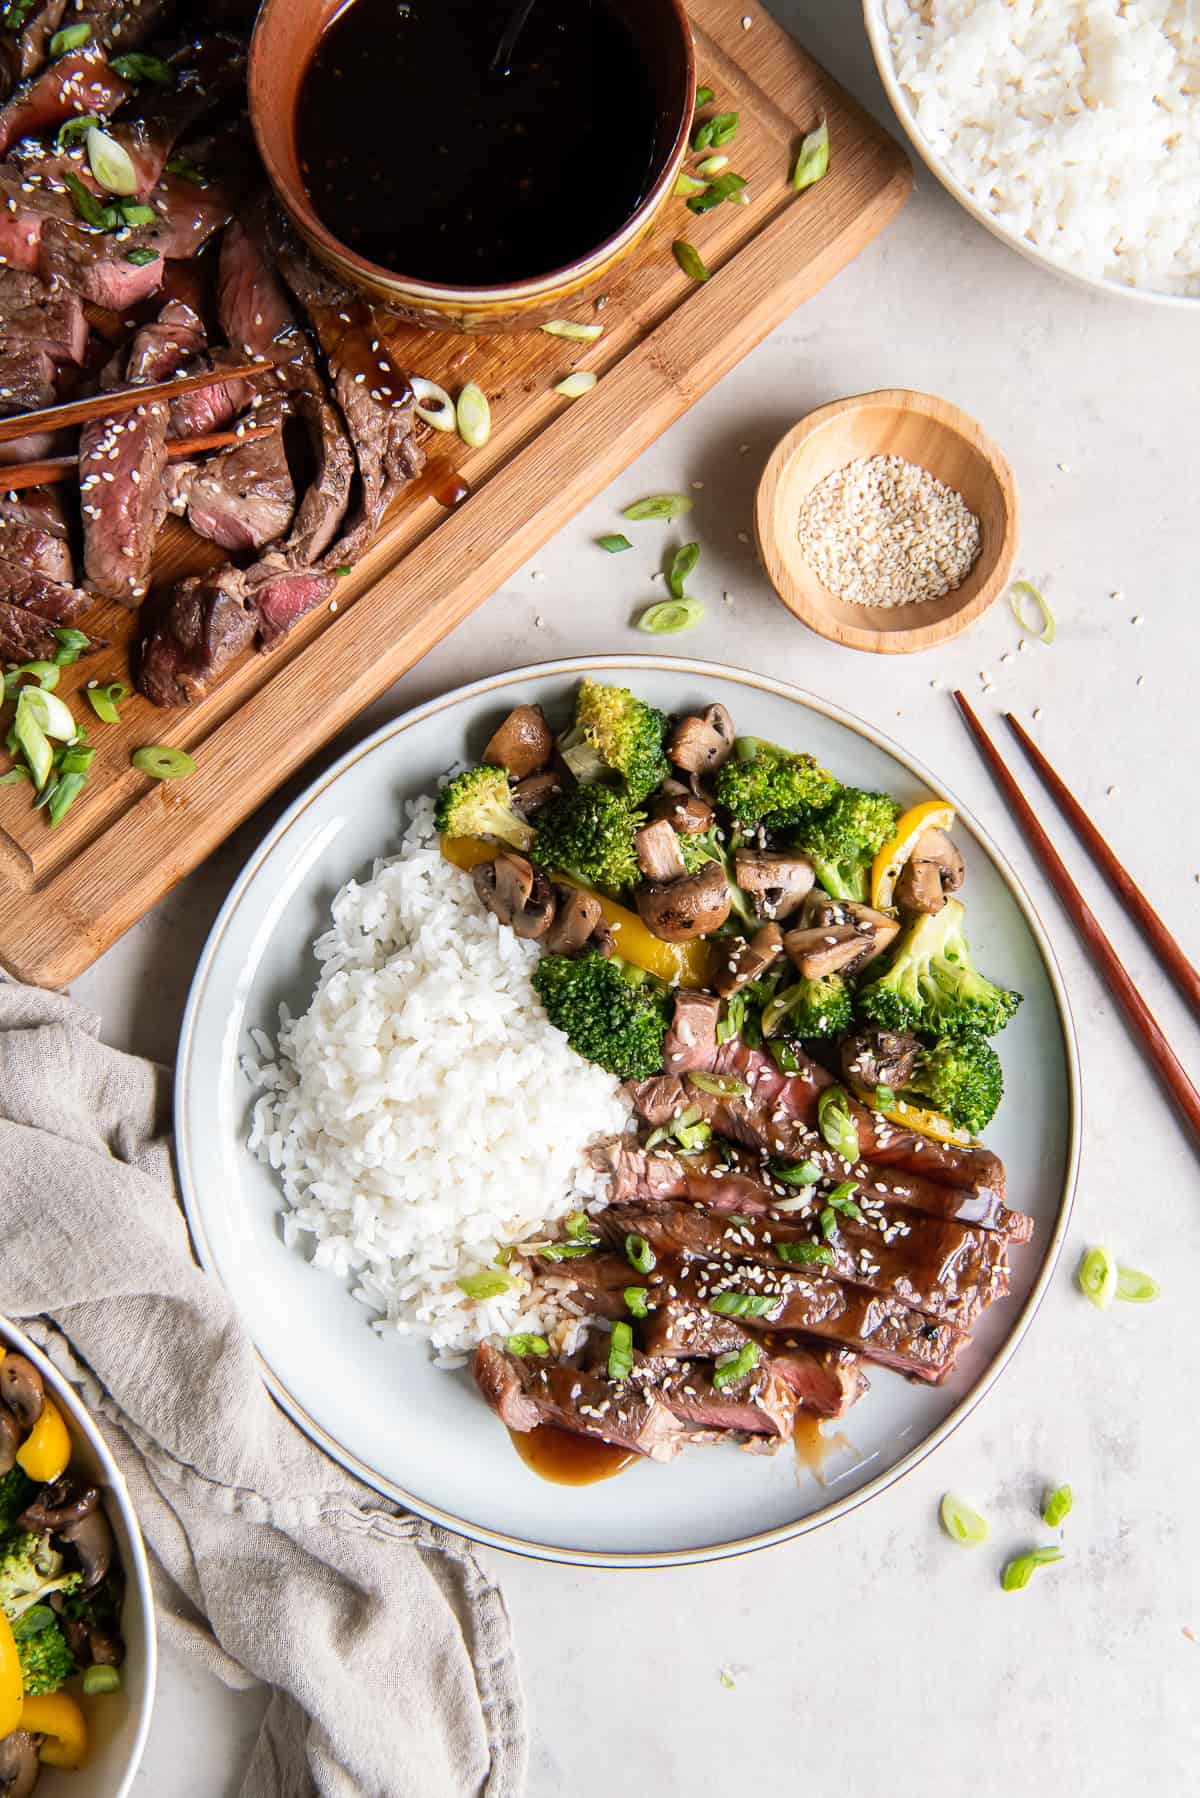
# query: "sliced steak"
[674,1329]
[27,378]
[691,1041]
[203,624]
[45,318]
[761,1404]
[207,71]
[245,498]
[24,46]
[98,265]
[38,507]
[52,600]
[212,408]
[256,315]
[526,1393]
[24,636]
[79,82]
[284,595]
[825,1380]
[36,548]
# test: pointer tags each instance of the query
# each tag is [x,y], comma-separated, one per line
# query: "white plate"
[881,46]
[424,1437]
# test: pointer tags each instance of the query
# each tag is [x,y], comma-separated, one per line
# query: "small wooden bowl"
[893,422]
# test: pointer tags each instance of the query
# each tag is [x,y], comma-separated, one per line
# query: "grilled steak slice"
[255,312]
[210,408]
[24,637]
[527,1392]
[284,595]
[245,497]
[675,1329]
[44,318]
[940,1268]
[96,264]
[52,600]
[23,47]
[79,82]
[207,71]
[691,1041]
[762,1404]
[38,507]
[34,547]
[824,1380]
[204,622]
[27,378]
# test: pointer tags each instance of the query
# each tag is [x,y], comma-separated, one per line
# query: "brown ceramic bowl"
[284,40]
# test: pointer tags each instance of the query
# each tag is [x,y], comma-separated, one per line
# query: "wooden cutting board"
[67,893]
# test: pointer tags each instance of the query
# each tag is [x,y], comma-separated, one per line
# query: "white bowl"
[118,1722]
[881,46]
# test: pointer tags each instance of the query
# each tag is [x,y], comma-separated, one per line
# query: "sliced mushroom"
[934,869]
[21,1389]
[578,924]
[10,1440]
[658,852]
[823,913]
[685,812]
[524,742]
[700,744]
[510,888]
[92,1540]
[778,884]
[19,1764]
[748,960]
[816,953]
[60,1506]
[684,909]
[874,1057]
[536,790]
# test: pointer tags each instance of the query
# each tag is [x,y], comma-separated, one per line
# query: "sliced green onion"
[99,1678]
[343,569]
[75,129]
[432,403]
[577,1226]
[727,1680]
[620,1352]
[712,165]
[1097,1277]
[573,387]
[33,744]
[670,616]
[71,645]
[32,1622]
[1018,1573]
[744,1304]
[48,712]
[567,1251]
[140,257]
[76,760]
[731,1368]
[639,1254]
[796,1173]
[71,37]
[704,97]
[15,775]
[805,1254]
[486,1285]
[162,763]
[725,1086]
[137,66]
[504,1255]
[615,543]
[67,789]
[723,188]
[136,214]
[784,1055]
[1057,1505]
[884,1096]
[101,218]
[714,132]
[635,1301]
[693,1137]
[842,1200]
[686,184]
[962,1522]
[524,1343]
[474,416]
[836,1124]
[1022,590]
[566,327]
[828,1222]
[659,505]
[111,163]
[682,564]
[812,164]
[105,700]
[189,171]
[1135,1288]
[689,260]
[46,674]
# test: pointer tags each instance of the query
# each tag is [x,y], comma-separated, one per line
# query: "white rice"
[1076,123]
[424,1112]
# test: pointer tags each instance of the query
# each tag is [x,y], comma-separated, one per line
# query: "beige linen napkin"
[388,1648]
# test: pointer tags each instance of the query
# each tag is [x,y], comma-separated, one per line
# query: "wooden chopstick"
[56,469]
[1181,970]
[1170,1069]
[122,399]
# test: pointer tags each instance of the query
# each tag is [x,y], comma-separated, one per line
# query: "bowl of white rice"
[1070,130]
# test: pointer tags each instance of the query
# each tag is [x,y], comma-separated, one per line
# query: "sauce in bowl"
[419,158]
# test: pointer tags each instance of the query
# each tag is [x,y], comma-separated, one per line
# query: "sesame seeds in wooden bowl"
[903,505]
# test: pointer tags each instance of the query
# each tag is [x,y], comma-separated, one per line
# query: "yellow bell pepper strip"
[10,1679]
[46,1450]
[931,814]
[925,1123]
[59,1719]
[682,964]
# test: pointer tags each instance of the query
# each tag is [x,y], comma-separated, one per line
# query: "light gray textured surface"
[874,1654]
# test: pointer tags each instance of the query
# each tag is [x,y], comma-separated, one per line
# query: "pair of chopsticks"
[56,469]
[1167,1064]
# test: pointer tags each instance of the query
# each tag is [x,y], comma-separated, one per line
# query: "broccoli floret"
[479,804]
[763,784]
[616,736]
[811,1008]
[844,839]
[697,849]
[962,1077]
[46,1661]
[932,986]
[710,846]
[590,832]
[16,1491]
[609,1016]
[30,1569]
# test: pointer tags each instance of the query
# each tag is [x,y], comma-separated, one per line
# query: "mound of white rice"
[423,1112]
[1075,122]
